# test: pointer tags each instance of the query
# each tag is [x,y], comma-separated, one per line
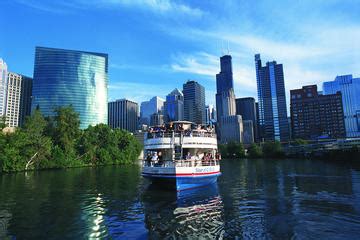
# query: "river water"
[253,199]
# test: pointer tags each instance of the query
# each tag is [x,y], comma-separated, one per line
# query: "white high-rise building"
[12,106]
[154,105]
[3,85]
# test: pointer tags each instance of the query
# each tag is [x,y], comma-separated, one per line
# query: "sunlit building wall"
[3,84]
[67,77]
[350,92]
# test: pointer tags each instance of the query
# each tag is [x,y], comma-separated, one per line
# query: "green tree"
[223,150]
[300,141]
[232,150]
[254,151]
[272,150]
[38,146]
[102,145]
[66,128]
[2,123]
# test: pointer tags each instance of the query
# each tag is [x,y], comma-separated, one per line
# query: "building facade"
[156,119]
[123,114]
[67,77]
[147,108]
[225,89]
[12,106]
[315,116]
[174,106]
[231,129]
[273,121]
[3,85]
[194,102]
[210,114]
[25,99]
[246,107]
[248,134]
[350,92]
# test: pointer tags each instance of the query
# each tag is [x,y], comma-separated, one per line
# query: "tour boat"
[181,155]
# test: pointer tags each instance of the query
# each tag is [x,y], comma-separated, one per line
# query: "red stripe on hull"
[182,174]
[194,174]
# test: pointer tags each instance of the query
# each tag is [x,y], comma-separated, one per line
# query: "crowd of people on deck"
[159,131]
[156,158]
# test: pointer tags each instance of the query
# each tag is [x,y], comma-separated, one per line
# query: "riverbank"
[58,142]
[271,150]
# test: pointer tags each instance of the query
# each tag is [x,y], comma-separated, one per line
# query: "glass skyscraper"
[25,99]
[68,77]
[174,106]
[247,109]
[148,108]
[350,92]
[194,102]
[273,119]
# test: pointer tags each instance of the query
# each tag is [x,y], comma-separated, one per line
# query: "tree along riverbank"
[58,142]
[276,150]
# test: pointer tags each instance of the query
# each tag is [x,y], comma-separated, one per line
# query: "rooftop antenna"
[228,51]
[222,48]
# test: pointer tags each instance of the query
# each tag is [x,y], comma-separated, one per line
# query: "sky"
[155,46]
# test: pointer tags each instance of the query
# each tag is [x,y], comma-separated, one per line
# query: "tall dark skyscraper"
[67,77]
[25,99]
[225,99]
[272,101]
[194,102]
[247,109]
[314,115]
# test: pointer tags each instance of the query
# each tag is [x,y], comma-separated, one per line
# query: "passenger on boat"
[188,156]
[160,158]
[148,159]
[154,158]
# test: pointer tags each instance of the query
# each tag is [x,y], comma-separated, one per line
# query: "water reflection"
[290,199]
[254,199]
[188,214]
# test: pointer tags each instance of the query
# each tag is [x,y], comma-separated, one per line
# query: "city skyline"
[188,39]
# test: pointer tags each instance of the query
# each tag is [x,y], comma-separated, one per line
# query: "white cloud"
[159,6]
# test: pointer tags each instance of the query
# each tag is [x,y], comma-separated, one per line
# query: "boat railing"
[182,163]
[188,133]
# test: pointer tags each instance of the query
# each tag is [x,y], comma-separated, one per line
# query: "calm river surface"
[254,199]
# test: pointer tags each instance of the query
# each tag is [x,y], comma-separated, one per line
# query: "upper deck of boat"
[183,133]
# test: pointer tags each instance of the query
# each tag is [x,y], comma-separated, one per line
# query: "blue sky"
[156,45]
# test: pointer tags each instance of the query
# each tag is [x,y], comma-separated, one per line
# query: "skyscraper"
[3,84]
[350,91]
[315,116]
[225,104]
[25,99]
[147,108]
[225,98]
[272,101]
[68,77]
[247,109]
[174,106]
[209,114]
[12,109]
[231,129]
[123,114]
[194,102]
